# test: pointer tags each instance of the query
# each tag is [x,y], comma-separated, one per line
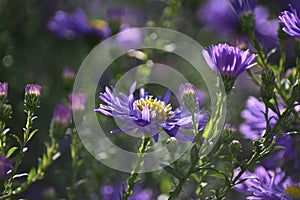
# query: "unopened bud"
[5,112]
[228,133]
[3,92]
[68,77]
[268,84]
[60,121]
[235,147]
[32,96]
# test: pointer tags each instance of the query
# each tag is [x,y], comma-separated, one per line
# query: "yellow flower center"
[162,111]
[293,191]
[98,24]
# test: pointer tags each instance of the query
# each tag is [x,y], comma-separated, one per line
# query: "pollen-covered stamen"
[293,191]
[162,111]
[98,24]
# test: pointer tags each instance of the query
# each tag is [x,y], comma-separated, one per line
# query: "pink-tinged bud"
[32,96]
[60,121]
[33,89]
[3,89]
[77,101]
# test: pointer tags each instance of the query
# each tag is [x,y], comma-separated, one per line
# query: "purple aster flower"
[5,166]
[243,7]
[3,89]
[77,101]
[254,126]
[148,114]
[268,185]
[76,24]
[62,115]
[291,22]
[33,89]
[109,192]
[229,61]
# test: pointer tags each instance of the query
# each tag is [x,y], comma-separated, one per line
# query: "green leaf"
[194,154]
[17,139]
[31,174]
[218,175]
[279,147]
[171,171]
[11,151]
[32,134]
[80,182]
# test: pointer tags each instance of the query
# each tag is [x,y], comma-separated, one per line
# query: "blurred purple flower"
[77,101]
[265,29]
[115,14]
[291,22]
[148,114]
[109,192]
[61,115]
[228,60]
[68,73]
[218,15]
[5,166]
[254,126]
[243,7]
[268,185]
[33,89]
[3,89]
[129,37]
[76,24]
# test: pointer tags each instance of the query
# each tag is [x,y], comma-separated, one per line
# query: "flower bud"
[32,96]
[68,77]
[5,112]
[77,101]
[268,84]
[3,92]
[247,23]
[60,121]
[192,97]
[235,147]
[228,133]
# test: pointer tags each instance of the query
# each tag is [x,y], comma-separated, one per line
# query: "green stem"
[260,52]
[133,178]
[20,156]
[47,161]
[75,163]
[2,138]
[254,79]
